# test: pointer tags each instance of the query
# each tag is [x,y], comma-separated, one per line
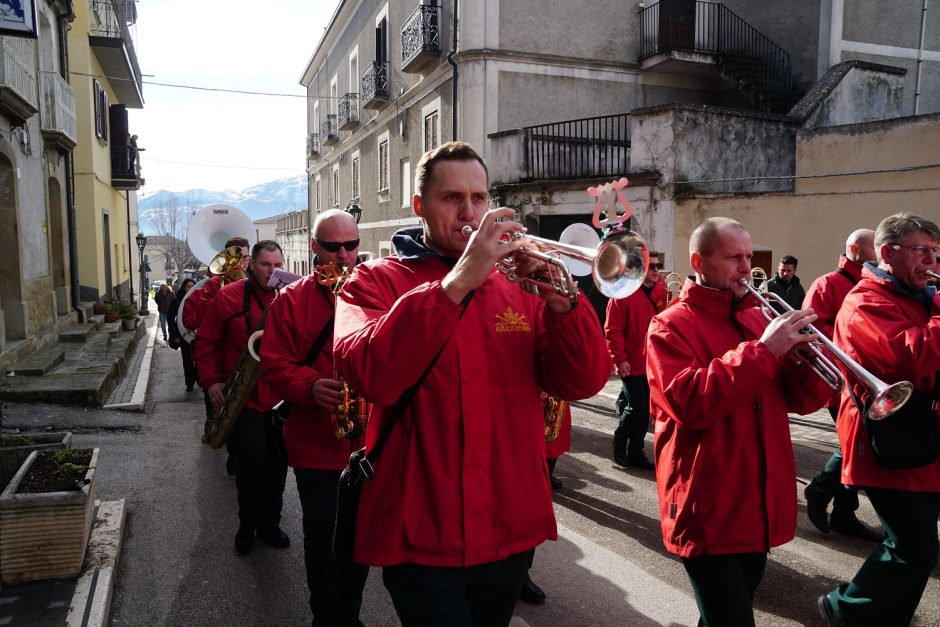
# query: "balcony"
[328,132]
[313,145]
[374,86]
[125,167]
[421,39]
[18,96]
[110,39]
[348,116]
[57,114]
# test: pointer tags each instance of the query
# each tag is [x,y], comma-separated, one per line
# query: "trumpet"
[673,287]
[617,263]
[228,264]
[933,275]
[886,398]
[759,279]
[351,415]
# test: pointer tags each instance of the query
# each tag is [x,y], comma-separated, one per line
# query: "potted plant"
[110,313]
[128,314]
[46,514]
[16,447]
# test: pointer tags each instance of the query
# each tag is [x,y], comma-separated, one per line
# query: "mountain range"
[259,201]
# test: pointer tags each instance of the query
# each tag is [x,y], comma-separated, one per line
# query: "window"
[316,194]
[335,186]
[405,183]
[381,36]
[355,176]
[334,95]
[354,70]
[431,125]
[101,110]
[383,165]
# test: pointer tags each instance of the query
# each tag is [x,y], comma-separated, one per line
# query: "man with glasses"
[890,324]
[300,323]
[625,328]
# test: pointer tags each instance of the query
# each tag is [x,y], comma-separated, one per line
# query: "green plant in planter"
[57,471]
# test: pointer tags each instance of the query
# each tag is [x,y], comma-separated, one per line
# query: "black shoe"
[826,611]
[816,509]
[189,388]
[244,541]
[848,524]
[531,593]
[556,483]
[639,460]
[621,459]
[230,465]
[274,537]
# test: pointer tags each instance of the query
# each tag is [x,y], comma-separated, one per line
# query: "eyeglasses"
[333,247]
[656,266]
[920,249]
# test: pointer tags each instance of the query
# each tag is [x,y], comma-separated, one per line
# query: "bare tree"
[172,223]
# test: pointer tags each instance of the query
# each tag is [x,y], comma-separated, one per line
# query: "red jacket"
[627,321]
[198,303]
[223,337]
[297,317]
[462,479]
[892,336]
[724,462]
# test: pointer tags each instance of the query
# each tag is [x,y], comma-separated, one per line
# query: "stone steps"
[39,363]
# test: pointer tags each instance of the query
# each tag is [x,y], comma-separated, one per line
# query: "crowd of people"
[454,361]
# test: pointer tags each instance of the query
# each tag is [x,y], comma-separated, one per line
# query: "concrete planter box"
[12,457]
[43,536]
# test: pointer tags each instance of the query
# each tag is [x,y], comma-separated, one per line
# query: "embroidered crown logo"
[511,321]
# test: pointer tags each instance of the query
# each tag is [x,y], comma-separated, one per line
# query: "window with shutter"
[431,136]
[383,166]
[355,178]
[336,187]
[316,198]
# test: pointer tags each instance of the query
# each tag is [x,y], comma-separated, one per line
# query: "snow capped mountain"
[259,201]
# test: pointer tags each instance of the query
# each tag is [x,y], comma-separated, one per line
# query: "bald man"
[825,297]
[721,386]
[297,361]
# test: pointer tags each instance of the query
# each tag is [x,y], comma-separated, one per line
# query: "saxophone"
[351,415]
[241,381]
[554,408]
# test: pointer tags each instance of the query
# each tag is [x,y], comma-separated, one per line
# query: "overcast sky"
[228,44]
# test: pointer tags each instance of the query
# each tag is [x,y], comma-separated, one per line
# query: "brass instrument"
[554,408]
[351,415]
[228,264]
[933,275]
[886,399]
[673,287]
[759,279]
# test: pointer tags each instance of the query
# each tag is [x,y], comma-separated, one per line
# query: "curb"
[139,396]
[91,601]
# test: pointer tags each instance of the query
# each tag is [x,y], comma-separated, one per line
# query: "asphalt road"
[178,565]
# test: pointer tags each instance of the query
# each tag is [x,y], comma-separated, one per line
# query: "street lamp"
[354,210]
[141,244]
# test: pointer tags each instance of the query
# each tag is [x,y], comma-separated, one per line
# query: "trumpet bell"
[621,263]
[889,400]
[579,234]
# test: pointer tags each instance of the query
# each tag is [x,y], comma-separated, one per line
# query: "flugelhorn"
[351,415]
[886,398]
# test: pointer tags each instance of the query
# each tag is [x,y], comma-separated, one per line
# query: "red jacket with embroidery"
[462,479]
[891,334]
[724,461]
[198,303]
[626,324]
[297,317]
[223,337]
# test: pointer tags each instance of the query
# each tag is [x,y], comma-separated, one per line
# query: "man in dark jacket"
[164,298]
[177,341]
[786,284]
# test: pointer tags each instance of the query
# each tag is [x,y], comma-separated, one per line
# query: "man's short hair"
[894,228]
[706,234]
[323,216]
[789,260]
[451,151]
[266,244]
[236,241]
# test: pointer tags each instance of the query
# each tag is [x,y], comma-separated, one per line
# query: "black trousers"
[260,470]
[475,596]
[335,585]
[633,407]
[189,366]
[724,587]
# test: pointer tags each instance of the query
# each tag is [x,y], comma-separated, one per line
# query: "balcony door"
[677,24]
[11,296]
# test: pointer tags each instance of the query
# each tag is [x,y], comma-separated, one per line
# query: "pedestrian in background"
[177,341]
[164,298]
[786,284]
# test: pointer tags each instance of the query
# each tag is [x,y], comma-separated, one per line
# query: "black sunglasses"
[333,247]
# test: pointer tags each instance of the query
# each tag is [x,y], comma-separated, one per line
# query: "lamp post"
[141,244]
[354,210]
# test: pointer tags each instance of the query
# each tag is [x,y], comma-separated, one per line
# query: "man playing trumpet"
[722,381]
[302,312]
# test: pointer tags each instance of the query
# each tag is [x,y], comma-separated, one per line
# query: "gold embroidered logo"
[511,321]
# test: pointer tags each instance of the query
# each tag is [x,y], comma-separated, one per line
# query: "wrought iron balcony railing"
[574,149]
[328,132]
[421,39]
[111,40]
[313,145]
[348,112]
[57,114]
[374,86]
[125,167]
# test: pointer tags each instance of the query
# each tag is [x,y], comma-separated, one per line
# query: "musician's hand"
[623,369]
[483,250]
[527,265]
[216,394]
[327,392]
[783,332]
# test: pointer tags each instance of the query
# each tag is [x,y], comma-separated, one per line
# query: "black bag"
[908,438]
[347,503]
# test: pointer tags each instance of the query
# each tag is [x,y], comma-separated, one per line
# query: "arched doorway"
[57,243]
[11,297]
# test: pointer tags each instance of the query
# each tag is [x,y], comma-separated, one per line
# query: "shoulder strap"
[319,342]
[847,275]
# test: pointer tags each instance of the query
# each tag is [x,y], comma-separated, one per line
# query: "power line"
[215,165]
[245,92]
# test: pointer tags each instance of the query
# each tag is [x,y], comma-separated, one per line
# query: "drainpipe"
[450,59]
[71,218]
[920,57]
[130,256]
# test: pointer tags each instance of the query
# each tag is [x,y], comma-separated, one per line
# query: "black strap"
[319,342]
[848,275]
